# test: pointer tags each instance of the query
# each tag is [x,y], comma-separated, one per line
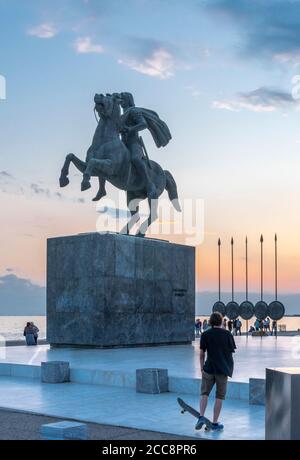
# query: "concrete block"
[64,430]
[257,391]
[282,404]
[55,372]
[152,381]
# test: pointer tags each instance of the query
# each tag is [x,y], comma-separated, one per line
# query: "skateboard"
[186,408]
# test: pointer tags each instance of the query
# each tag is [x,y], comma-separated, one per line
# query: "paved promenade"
[123,407]
[253,355]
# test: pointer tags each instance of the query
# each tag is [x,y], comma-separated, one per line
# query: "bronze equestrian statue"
[118,154]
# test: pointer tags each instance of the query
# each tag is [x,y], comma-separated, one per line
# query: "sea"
[11,327]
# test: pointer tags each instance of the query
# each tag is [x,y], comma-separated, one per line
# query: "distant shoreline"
[295,315]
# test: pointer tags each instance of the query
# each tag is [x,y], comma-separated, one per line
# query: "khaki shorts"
[208,381]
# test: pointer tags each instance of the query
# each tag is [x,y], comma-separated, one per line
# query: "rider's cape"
[158,128]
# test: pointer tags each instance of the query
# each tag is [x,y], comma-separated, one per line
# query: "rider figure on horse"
[134,120]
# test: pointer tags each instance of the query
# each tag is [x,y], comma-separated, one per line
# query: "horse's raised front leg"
[96,168]
[70,158]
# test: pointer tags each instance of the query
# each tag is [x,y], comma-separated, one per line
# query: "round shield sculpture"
[261,310]
[232,310]
[276,310]
[219,307]
[246,310]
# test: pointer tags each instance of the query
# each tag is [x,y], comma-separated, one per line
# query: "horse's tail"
[171,188]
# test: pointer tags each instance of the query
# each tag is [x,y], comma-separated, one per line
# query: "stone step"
[119,378]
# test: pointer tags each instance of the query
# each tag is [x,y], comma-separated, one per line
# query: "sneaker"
[201,421]
[217,427]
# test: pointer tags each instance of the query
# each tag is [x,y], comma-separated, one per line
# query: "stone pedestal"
[282,403]
[55,371]
[64,430]
[110,290]
[153,381]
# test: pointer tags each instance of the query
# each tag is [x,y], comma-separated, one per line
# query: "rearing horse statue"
[108,158]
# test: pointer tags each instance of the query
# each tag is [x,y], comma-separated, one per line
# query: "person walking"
[205,325]
[238,328]
[224,323]
[274,328]
[234,327]
[197,332]
[230,326]
[216,362]
[200,326]
[261,327]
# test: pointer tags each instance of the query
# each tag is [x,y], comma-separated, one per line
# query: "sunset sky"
[219,72]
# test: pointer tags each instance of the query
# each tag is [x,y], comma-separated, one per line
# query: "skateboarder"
[217,346]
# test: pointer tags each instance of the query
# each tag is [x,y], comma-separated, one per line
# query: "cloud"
[268,28]
[19,296]
[5,174]
[38,190]
[13,186]
[149,57]
[45,30]
[159,64]
[84,45]
[260,100]
[194,92]
[158,58]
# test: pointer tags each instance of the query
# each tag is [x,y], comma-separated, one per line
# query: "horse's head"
[108,105]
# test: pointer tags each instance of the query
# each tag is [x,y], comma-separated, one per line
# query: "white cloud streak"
[85,45]
[45,30]
[159,64]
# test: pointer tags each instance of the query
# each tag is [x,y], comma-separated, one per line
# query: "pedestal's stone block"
[64,430]
[282,403]
[55,372]
[115,290]
[257,391]
[152,381]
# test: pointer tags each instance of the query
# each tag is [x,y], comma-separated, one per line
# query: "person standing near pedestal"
[218,344]
[35,332]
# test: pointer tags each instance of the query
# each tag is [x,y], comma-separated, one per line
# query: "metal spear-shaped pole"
[219,306]
[232,272]
[219,267]
[246,261]
[276,267]
[246,247]
[246,307]
[261,267]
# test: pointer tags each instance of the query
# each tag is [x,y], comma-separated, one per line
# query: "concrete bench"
[152,380]
[55,372]
[64,430]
